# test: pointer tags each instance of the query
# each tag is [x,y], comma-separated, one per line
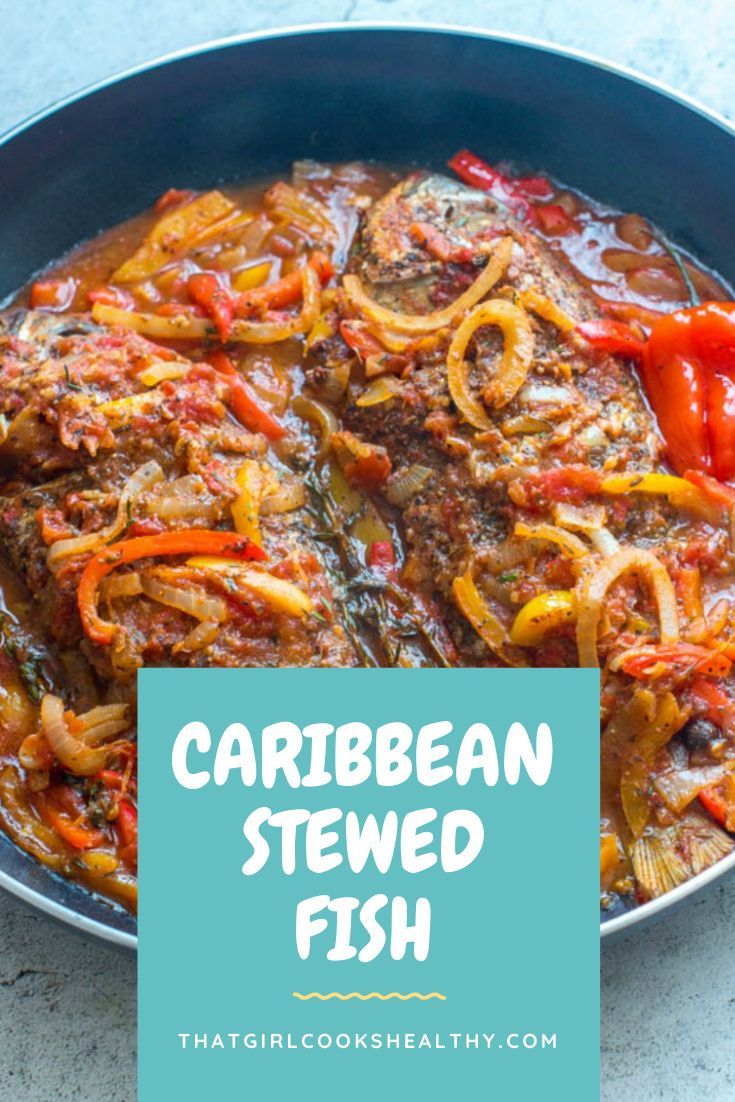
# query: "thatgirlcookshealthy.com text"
[471,1042]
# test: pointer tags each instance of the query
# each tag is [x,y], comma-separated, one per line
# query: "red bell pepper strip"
[688,656]
[127,830]
[715,704]
[365,466]
[688,371]
[574,485]
[554,221]
[359,338]
[537,186]
[478,173]
[381,556]
[191,541]
[127,823]
[181,309]
[282,292]
[243,401]
[716,491]
[54,295]
[113,778]
[112,296]
[713,801]
[208,291]
[614,337]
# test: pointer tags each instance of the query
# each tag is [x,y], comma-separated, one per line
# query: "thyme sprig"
[364,595]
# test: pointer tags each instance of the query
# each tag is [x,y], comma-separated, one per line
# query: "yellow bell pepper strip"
[173,234]
[471,604]
[160,372]
[186,542]
[541,614]
[680,491]
[322,329]
[254,276]
[280,594]
[245,508]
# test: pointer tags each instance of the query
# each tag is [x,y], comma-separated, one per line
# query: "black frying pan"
[252,105]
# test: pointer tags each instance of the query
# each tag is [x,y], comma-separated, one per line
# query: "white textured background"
[67,1008]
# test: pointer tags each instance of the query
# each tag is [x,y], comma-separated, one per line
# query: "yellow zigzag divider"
[369,995]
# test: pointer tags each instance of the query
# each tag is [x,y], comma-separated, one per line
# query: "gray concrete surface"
[67,1007]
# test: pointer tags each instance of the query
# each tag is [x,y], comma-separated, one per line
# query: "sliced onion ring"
[278,593]
[145,477]
[593,588]
[290,495]
[587,518]
[72,752]
[514,365]
[604,542]
[571,545]
[439,319]
[191,601]
[185,327]
[311,410]
[400,489]
[199,637]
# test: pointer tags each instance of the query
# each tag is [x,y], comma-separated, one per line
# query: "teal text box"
[514,944]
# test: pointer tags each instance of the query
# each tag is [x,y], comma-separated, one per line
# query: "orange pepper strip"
[689,588]
[191,541]
[282,292]
[73,833]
